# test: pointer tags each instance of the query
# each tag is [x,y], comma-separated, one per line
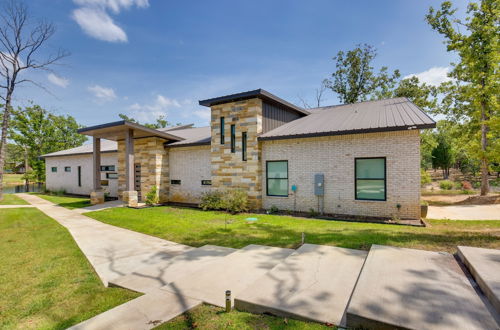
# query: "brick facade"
[334,157]
[190,165]
[228,169]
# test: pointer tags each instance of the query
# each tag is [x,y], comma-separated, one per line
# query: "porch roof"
[116,131]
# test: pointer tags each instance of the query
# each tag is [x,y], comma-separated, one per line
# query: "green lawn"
[209,317]
[11,199]
[13,178]
[46,282]
[66,201]
[196,228]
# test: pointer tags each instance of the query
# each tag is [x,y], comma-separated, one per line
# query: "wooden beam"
[129,160]
[96,165]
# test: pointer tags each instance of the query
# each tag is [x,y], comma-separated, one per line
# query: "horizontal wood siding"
[275,116]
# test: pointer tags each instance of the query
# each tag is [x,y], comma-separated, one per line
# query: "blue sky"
[145,58]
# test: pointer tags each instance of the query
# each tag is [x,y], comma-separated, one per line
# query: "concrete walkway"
[112,251]
[465,212]
[100,207]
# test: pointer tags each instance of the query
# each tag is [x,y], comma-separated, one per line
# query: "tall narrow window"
[277,178]
[233,138]
[244,146]
[370,181]
[79,176]
[222,136]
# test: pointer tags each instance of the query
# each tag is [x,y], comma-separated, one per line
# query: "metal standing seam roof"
[364,117]
[106,146]
[192,136]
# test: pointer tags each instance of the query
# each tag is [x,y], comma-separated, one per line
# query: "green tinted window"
[370,179]
[277,178]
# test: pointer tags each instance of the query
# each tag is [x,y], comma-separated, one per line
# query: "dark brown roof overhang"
[257,93]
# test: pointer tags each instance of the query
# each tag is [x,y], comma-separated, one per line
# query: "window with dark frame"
[222,136]
[206,182]
[79,176]
[111,175]
[233,138]
[54,169]
[107,168]
[244,146]
[67,169]
[277,178]
[370,179]
[175,181]
[104,183]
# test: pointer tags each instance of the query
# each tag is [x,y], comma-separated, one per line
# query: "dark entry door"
[137,180]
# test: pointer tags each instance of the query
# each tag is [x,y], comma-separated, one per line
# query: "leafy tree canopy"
[161,121]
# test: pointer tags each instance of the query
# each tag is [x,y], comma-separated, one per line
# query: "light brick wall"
[334,157]
[190,165]
[229,171]
[153,157]
[68,181]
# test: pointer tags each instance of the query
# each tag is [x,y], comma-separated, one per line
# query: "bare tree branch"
[20,43]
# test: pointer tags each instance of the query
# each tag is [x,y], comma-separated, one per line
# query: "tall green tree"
[443,154]
[355,79]
[473,97]
[39,132]
[161,121]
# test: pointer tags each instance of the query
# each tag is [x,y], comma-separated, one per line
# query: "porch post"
[96,169]
[97,195]
[129,160]
[130,194]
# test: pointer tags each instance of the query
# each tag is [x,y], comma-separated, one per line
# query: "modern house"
[358,159]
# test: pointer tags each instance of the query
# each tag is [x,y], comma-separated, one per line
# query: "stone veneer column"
[153,158]
[229,171]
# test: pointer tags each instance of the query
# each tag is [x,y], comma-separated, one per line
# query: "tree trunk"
[485,188]
[3,139]
[26,164]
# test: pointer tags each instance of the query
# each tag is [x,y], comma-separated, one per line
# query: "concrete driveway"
[465,212]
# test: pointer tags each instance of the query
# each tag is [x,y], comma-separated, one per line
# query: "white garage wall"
[68,181]
[190,165]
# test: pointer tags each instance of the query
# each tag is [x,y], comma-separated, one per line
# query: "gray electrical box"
[319,184]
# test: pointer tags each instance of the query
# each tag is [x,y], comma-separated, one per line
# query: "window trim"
[53,169]
[175,183]
[112,173]
[222,127]
[233,138]
[267,178]
[206,182]
[79,169]
[356,180]
[244,139]
[107,168]
[67,169]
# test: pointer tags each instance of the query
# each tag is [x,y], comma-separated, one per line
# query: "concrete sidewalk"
[465,212]
[112,251]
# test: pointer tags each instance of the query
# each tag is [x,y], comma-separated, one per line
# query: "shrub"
[212,200]
[476,184]
[446,185]
[425,177]
[152,197]
[273,210]
[235,201]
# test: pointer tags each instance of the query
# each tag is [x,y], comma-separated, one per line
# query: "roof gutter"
[348,132]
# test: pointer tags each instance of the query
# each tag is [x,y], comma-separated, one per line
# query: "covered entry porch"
[142,160]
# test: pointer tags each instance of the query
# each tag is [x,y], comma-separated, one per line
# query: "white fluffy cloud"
[102,94]
[434,76]
[92,16]
[151,111]
[203,114]
[58,81]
